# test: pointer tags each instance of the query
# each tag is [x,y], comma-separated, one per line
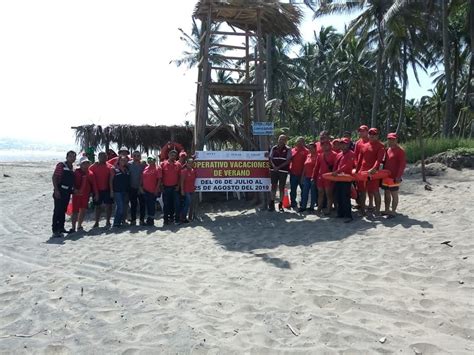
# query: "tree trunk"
[378,77]
[401,115]
[449,113]
[388,126]
[269,49]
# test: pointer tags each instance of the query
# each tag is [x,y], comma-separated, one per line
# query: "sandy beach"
[240,280]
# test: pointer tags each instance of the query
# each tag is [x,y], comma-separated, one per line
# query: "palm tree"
[369,21]
[192,54]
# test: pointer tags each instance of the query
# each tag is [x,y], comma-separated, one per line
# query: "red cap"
[363,128]
[392,136]
[183,154]
[345,140]
[373,131]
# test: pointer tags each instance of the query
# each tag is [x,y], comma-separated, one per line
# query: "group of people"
[307,163]
[134,185]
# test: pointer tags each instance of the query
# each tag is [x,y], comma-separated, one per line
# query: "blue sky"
[66,63]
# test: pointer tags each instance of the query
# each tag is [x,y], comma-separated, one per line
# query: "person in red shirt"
[101,172]
[84,183]
[298,157]
[344,165]
[371,158]
[170,170]
[151,181]
[308,184]
[324,164]
[187,188]
[336,145]
[323,137]
[395,162]
[359,145]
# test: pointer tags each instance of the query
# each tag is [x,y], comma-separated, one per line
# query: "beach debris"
[23,335]
[383,340]
[428,188]
[461,282]
[417,352]
[464,257]
[6,175]
[295,333]
[82,291]
[447,242]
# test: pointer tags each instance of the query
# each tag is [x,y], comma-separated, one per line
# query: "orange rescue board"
[339,178]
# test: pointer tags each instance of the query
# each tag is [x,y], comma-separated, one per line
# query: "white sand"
[240,281]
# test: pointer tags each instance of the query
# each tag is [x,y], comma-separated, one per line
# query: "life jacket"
[279,155]
[67,179]
[121,181]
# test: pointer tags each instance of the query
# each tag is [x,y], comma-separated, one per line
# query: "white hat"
[84,159]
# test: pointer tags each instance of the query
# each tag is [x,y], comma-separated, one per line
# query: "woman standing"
[187,188]
[119,187]
[151,188]
[324,164]
[84,183]
[309,186]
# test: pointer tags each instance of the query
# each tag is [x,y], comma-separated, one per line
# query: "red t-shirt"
[372,156]
[322,164]
[101,175]
[344,162]
[358,149]
[151,176]
[309,164]
[395,161]
[84,182]
[298,158]
[170,173]
[189,176]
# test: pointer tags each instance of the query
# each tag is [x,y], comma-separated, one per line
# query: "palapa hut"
[257,19]
[148,138]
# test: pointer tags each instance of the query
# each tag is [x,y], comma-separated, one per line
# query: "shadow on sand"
[250,232]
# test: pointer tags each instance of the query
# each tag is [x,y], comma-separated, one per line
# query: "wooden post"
[246,99]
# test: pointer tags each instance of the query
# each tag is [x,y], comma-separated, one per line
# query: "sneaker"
[348,220]
[280,207]
[185,220]
[108,225]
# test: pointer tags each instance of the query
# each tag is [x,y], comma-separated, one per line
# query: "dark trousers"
[59,213]
[150,201]
[343,198]
[136,200]
[170,204]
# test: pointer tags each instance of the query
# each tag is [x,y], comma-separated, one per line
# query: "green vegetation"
[437,145]
[337,81]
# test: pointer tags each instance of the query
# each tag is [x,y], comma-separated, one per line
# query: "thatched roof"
[277,18]
[145,137]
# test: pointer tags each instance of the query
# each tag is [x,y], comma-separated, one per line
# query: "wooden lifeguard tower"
[252,21]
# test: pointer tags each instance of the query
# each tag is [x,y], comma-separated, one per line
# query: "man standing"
[323,138]
[280,157]
[101,171]
[63,184]
[344,165]
[371,157]
[170,170]
[136,196]
[298,158]
[395,161]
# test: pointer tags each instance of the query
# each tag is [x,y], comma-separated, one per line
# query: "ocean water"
[12,150]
